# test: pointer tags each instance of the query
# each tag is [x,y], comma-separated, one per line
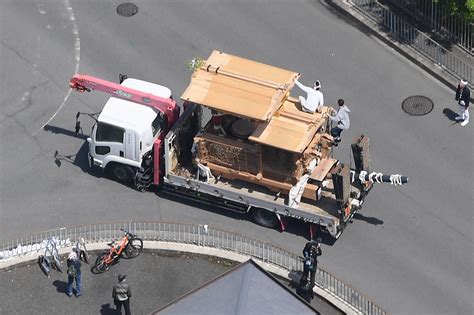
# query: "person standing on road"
[121,293]
[463,96]
[314,100]
[311,252]
[73,274]
[341,118]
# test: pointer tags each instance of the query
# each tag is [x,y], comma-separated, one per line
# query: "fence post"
[199,236]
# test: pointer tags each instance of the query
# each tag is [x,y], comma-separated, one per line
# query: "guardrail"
[439,17]
[415,38]
[188,234]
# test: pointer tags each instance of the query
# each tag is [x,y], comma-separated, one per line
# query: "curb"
[195,249]
[347,9]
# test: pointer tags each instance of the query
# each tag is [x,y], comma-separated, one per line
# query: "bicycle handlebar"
[127,232]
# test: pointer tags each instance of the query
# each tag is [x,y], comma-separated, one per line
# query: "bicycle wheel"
[101,264]
[134,247]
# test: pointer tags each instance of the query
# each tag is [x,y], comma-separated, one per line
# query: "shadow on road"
[105,309]
[79,159]
[59,130]
[293,226]
[61,286]
[450,114]
[370,220]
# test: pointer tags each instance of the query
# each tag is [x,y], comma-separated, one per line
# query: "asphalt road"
[410,249]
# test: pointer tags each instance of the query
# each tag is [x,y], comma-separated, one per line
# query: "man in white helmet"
[463,96]
[314,100]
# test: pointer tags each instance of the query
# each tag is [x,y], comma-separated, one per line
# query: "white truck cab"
[125,130]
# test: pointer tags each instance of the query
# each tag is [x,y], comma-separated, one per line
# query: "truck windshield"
[109,133]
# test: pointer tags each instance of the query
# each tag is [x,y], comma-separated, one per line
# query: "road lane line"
[77,55]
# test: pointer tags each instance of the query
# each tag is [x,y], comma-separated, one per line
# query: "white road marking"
[77,55]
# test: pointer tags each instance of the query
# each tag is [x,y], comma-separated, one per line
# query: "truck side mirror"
[122,77]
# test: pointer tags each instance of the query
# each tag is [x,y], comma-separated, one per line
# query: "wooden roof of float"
[230,84]
[256,91]
[289,129]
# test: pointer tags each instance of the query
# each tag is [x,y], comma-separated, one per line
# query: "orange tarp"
[230,84]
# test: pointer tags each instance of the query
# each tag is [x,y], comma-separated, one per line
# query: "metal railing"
[409,35]
[188,234]
[440,18]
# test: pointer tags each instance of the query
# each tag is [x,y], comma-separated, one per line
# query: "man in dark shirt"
[311,252]
[463,96]
[121,294]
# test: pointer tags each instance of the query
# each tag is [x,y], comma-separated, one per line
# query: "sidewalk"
[156,278]
[348,9]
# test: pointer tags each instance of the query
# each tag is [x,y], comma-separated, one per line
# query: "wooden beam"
[311,190]
[322,169]
[342,185]
[361,152]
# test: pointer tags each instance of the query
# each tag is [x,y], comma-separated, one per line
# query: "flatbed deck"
[256,191]
[244,195]
[324,207]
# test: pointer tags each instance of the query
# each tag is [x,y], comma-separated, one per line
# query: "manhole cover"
[127,9]
[417,105]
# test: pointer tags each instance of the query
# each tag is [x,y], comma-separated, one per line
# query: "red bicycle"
[129,246]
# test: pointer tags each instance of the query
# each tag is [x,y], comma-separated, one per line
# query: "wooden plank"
[322,169]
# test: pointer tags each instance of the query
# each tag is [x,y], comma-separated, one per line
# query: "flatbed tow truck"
[242,143]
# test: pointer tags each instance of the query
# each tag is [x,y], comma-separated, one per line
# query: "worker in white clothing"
[463,96]
[314,100]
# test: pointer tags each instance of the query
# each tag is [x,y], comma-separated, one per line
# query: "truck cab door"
[107,140]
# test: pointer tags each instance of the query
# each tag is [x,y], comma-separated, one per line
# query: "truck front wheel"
[121,173]
[264,217]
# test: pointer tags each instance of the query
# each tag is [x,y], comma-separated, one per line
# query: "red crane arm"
[82,83]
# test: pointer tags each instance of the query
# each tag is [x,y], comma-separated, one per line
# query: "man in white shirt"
[314,100]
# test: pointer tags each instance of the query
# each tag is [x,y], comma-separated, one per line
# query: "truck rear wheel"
[121,173]
[264,217]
